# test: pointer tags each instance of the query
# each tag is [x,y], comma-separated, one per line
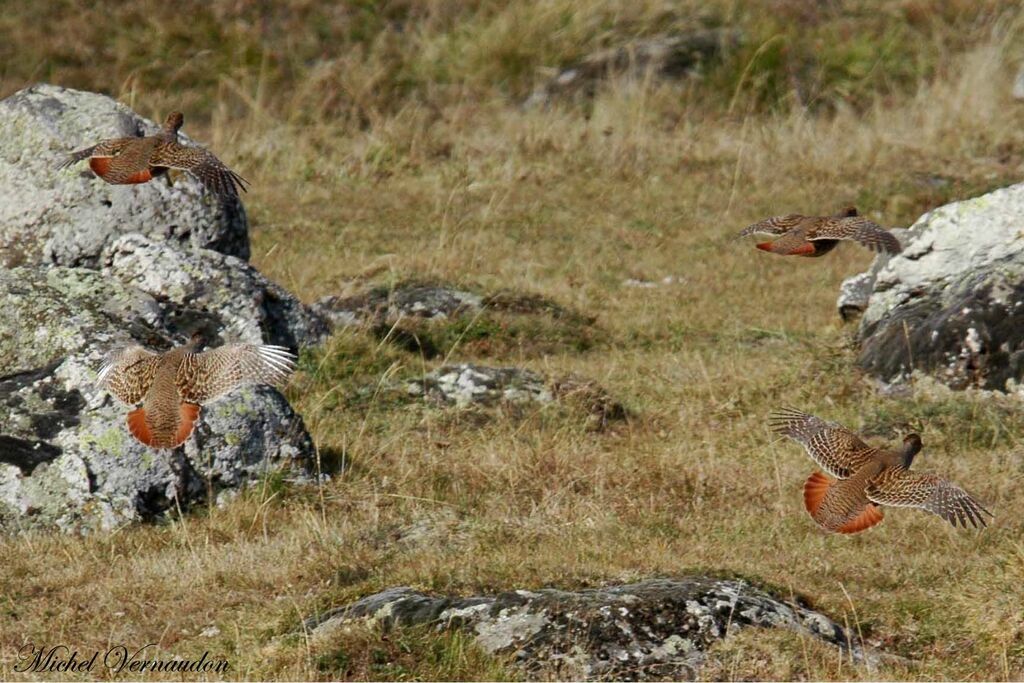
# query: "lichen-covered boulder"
[66,458]
[250,306]
[952,303]
[69,216]
[655,629]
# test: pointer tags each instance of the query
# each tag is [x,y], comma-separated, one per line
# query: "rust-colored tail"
[141,177]
[805,249]
[870,516]
[815,489]
[188,412]
[100,165]
[140,428]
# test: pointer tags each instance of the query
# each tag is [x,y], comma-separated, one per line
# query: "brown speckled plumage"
[124,161]
[868,477]
[172,386]
[817,235]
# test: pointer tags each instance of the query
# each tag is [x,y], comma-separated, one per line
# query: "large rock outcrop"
[656,629]
[86,267]
[66,458]
[952,303]
[242,301]
[69,216]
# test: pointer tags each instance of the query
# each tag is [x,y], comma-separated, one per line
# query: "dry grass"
[399,155]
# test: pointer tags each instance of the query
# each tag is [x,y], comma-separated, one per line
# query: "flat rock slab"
[69,216]
[432,301]
[951,304]
[434,319]
[655,629]
[386,305]
[67,460]
[467,384]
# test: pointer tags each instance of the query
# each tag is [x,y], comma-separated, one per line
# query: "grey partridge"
[170,387]
[867,478]
[125,161]
[817,235]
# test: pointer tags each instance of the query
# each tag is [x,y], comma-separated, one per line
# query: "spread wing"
[128,372]
[204,377]
[899,487]
[835,448]
[106,148]
[858,229]
[210,171]
[776,225]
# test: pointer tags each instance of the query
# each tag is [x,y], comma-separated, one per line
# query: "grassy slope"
[378,154]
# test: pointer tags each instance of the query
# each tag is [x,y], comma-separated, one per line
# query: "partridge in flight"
[125,161]
[817,235]
[170,387]
[867,478]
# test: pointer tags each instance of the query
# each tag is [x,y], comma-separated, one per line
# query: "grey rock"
[855,291]
[433,319]
[666,56]
[951,305]
[69,216]
[854,294]
[468,384]
[66,458]
[255,309]
[386,305]
[655,629]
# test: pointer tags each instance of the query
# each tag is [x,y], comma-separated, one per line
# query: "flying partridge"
[818,235]
[125,161]
[868,478]
[172,386]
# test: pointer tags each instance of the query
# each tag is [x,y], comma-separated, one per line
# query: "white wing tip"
[278,359]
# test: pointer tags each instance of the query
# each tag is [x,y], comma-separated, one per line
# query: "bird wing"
[204,377]
[211,172]
[835,448]
[128,373]
[899,487]
[105,148]
[776,225]
[859,229]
